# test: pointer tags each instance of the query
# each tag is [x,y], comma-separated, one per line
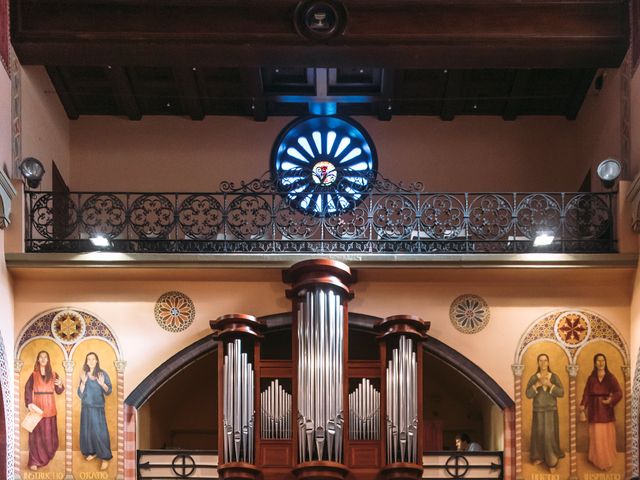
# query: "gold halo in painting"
[469,313]
[68,327]
[174,311]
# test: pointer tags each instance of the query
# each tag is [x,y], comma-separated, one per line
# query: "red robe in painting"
[602,432]
[43,441]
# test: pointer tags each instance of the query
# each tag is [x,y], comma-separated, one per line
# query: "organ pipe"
[320,375]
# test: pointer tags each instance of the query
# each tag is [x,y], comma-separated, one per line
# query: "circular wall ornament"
[174,311]
[572,329]
[323,165]
[68,327]
[469,313]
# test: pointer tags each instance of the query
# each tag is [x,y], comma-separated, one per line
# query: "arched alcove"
[459,395]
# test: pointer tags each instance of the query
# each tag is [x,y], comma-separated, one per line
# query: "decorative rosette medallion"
[572,329]
[469,313]
[174,311]
[68,327]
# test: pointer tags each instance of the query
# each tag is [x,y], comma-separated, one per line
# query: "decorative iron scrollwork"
[152,216]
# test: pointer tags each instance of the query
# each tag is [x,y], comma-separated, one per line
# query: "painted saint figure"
[94,435]
[601,393]
[545,388]
[39,393]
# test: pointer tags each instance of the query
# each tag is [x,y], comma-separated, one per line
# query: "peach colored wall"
[598,126]
[467,154]
[45,126]
[516,299]
[6,295]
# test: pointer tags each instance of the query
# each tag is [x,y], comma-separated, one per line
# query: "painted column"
[628,434]
[17,367]
[518,369]
[68,428]
[120,366]
[572,370]
[131,416]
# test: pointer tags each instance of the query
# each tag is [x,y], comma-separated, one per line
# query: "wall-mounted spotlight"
[608,171]
[32,170]
[543,239]
[100,241]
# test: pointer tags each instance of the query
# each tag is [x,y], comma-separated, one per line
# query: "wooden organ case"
[319,414]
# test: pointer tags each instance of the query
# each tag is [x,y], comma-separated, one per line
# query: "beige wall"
[467,154]
[45,126]
[598,126]
[516,299]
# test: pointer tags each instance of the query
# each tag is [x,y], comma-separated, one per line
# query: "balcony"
[255,218]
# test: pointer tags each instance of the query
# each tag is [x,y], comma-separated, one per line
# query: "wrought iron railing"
[256,218]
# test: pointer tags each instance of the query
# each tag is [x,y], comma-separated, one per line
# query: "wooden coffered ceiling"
[395,57]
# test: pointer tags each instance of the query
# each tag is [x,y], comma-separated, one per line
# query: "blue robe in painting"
[94,435]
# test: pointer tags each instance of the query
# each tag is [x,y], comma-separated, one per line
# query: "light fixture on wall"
[32,170]
[100,241]
[608,171]
[543,239]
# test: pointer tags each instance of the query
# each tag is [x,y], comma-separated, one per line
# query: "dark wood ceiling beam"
[123,92]
[188,90]
[582,87]
[252,79]
[453,101]
[63,91]
[453,34]
[518,89]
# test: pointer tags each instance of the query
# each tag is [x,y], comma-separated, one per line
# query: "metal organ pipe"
[402,403]
[320,374]
[275,412]
[364,412]
[238,408]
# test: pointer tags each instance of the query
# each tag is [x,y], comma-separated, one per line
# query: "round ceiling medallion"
[323,165]
[174,311]
[320,19]
[68,327]
[469,313]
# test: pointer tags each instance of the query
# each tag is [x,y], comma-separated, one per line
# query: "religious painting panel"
[545,412]
[601,401]
[95,410]
[42,412]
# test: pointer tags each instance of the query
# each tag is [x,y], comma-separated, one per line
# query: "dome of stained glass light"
[174,311]
[323,165]
[469,313]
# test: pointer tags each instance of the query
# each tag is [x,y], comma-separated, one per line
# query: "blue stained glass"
[324,165]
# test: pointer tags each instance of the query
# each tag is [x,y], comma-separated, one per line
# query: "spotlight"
[608,171]
[32,170]
[543,238]
[100,241]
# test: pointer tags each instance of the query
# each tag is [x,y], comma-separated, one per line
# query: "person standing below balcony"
[39,395]
[601,393]
[545,388]
[94,435]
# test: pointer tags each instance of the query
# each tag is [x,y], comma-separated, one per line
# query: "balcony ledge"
[21,261]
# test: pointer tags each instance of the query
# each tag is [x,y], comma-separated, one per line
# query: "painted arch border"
[631,398]
[120,365]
